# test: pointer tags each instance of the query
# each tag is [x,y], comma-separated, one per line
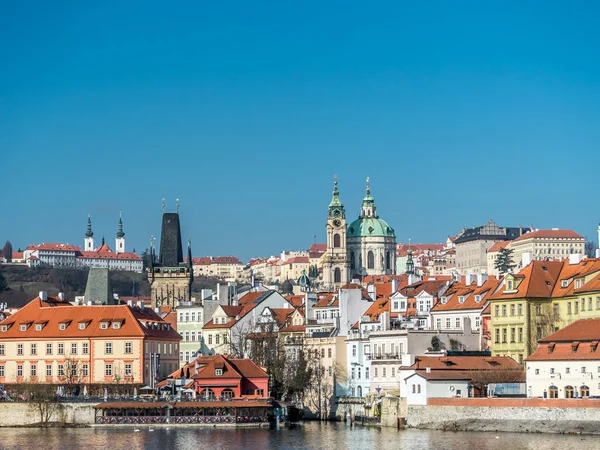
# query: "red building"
[219,378]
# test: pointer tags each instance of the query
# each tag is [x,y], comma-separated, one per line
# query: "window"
[359,373]
[48,349]
[330,371]
[34,349]
[329,353]
[503,310]
[74,369]
[127,370]
[537,371]
[576,307]
[1,349]
[447,322]
[538,310]
[218,372]
[504,335]
[569,391]
[85,370]
[2,371]
[393,372]
[116,325]
[353,374]
[104,325]
[583,304]
[497,340]
[438,324]
[458,324]
[34,370]
[497,310]
[354,350]
[567,370]
[19,349]
[85,348]
[336,240]
[555,309]
[61,349]
[74,348]
[128,349]
[512,309]
[395,306]
[590,304]
[375,372]
[193,336]
[583,369]
[370,260]
[210,339]
[520,334]
[512,334]
[61,370]
[367,373]
[217,339]
[520,309]
[569,308]
[82,325]
[108,348]
[108,370]
[551,370]
[20,370]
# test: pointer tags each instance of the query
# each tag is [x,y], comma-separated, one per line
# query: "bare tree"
[72,373]
[42,398]
[7,251]
[590,249]
[545,321]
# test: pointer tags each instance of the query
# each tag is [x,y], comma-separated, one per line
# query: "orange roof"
[498,246]
[295,300]
[203,368]
[17,255]
[556,234]
[537,280]
[54,311]
[464,363]
[326,300]
[580,330]
[569,272]
[297,260]
[468,294]
[56,247]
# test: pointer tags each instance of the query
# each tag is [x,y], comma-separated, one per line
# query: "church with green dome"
[367,246]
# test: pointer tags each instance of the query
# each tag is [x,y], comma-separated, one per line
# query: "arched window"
[553,392]
[388,261]
[370,260]
[336,240]
[359,391]
[569,391]
[352,263]
[337,275]
[208,395]
[584,391]
[227,394]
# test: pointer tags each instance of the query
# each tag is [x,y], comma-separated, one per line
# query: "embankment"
[13,414]
[578,416]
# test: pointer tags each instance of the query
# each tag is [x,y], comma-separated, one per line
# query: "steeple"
[368,208]
[120,233]
[410,265]
[88,232]
[336,207]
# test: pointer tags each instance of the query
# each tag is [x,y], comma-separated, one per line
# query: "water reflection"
[311,435]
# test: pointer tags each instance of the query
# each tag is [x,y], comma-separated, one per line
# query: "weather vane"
[177,204]
[163,205]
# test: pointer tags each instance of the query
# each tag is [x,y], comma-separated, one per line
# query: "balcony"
[383,356]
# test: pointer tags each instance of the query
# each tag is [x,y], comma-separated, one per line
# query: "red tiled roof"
[537,281]
[557,234]
[464,363]
[17,255]
[297,260]
[498,246]
[58,247]
[468,293]
[580,330]
[295,300]
[318,248]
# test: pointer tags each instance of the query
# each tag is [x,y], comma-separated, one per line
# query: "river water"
[311,435]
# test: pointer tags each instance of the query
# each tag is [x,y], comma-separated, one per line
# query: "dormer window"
[564,283]
[218,372]
[461,299]
[477,298]
[23,327]
[444,300]
[62,326]
[509,285]
[82,325]
[116,325]
[578,283]
[38,327]
[4,328]
[103,325]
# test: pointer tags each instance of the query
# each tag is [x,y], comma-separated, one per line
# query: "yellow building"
[51,341]
[542,298]
[292,268]
[552,244]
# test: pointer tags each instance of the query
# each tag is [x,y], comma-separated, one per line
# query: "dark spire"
[102,240]
[171,254]
[190,263]
[88,233]
[410,265]
[120,233]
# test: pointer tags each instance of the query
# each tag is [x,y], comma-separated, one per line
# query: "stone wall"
[392,409]
[548,418]
[19,414]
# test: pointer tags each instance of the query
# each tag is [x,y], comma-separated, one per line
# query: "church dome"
[287,287]
[304,281]
[370,226]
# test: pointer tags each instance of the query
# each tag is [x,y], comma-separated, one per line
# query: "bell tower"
[88,242]
[120,238]
[335,266]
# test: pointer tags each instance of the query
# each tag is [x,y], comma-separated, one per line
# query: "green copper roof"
[369,226]
[120,233]
[88,232]
[335,201]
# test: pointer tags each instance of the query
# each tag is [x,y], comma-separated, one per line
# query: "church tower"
[120,240]
[170,277]
[335,266]
[88,242]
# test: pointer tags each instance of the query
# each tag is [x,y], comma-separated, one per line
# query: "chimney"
[157,310]
[575,258]
[142,305]
[61,295]
[526,259]
[43,296]
[89,303]
[427,369]
[130,303]
[481,278]
[372,292]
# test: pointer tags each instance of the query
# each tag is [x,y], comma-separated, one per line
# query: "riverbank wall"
[572,416]
[13,414]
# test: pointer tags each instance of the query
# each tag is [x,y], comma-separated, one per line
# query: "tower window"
[336,240]
[370,260]
[353,264]
[337,275]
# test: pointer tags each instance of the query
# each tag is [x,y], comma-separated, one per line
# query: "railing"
[123,420]
[372,357]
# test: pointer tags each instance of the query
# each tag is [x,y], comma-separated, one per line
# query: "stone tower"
[335,265]
[88,242]
[170,277]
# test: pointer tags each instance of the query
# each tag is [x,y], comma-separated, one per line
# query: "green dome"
[369,226]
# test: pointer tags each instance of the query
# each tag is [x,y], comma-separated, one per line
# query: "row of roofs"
[52,317]
[101,252]
[208,260]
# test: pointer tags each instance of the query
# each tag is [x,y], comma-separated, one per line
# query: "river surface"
[311,435]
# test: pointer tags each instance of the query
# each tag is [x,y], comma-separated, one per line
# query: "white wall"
[536,384]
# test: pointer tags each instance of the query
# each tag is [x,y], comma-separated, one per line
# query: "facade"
[472,245]
[51,341]
[551,244]
[226,268]
[293,268]
[566,363]
[190,319]
[170,277]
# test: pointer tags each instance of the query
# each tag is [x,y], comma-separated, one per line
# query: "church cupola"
[120,240]
[88,242]
[368,208]
[336,207]
[410,264]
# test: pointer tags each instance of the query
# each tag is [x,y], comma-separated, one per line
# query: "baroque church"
[365,247]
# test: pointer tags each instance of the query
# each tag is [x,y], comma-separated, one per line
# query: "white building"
[566,364]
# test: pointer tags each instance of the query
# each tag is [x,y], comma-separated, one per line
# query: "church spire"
[410,265]
[120,233]
[336,207]
[368,208]
[88,232]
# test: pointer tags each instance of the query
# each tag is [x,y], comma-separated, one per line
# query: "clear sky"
[458,112]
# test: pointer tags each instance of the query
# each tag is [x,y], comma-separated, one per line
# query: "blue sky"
[458,112]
